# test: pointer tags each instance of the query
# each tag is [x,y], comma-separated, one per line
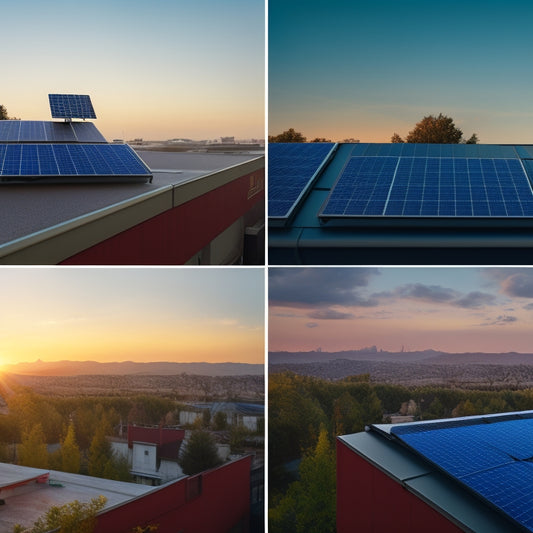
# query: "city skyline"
[366,70]
[142,315]
[156,70]
[447,309]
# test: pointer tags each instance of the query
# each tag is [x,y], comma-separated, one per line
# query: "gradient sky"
[341,69]
[157,70]
[160,314]
[450,309]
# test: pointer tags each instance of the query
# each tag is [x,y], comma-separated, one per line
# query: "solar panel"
[41,161]
[292,167]
[71,106]
[22,131]
[411,186]
[493,458]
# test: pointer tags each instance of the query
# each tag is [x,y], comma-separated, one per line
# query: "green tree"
[101,456]
[200,454]
[288,136]
[309,504]
[74,517]
[431,129]
[70,452]
[32,451]
[220,421]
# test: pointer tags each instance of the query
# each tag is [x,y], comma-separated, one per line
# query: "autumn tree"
[431,129]
[32,450]
[70,452]
[200,454]
[309,504]
[74,517]
[100,456]
[288,136]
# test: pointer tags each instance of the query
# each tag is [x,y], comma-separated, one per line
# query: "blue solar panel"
[71,106]
[69,160]
[430,187]
[42,131]
[492,457]
[291,169]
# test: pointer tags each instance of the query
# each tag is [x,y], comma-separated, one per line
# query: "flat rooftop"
[31,501]
[31,213]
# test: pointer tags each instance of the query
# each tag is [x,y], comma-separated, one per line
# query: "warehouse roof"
[366,203]
[475,470]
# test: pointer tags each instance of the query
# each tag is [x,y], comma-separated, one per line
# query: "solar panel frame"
[33,131]
[432,187]
[71,106]
[293,168]
[44,162]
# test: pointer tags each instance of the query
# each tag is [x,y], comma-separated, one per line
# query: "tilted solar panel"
[430,187]
[292,167]
[492,457]
[71,106]
[32,131]
[42,161]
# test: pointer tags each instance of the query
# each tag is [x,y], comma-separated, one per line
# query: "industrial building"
[70,197]
[214,501]
[464,474]
[362,203]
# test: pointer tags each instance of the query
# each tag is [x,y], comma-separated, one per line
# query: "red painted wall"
[174,236]
[154,435]
[369,501]
[223,503]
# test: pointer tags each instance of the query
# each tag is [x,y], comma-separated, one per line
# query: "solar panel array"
[40,161]
[491,457]
[46,131]
[292,167]
[71,106]
[411,186]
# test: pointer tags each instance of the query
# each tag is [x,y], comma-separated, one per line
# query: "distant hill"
[424,357]
[79,368]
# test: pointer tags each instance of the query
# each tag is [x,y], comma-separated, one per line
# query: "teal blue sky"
[159,69]
[364,70]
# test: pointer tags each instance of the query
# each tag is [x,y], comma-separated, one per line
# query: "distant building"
[227,140]
[245,414]
[153,454]
[215,501]
[463,474]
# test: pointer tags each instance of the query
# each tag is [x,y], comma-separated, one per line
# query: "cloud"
[311,325]
[528,307]
[512,281]
[436,294]
[322,287]
[475,300]
[330,314]
[501,320]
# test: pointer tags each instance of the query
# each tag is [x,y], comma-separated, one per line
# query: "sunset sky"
[449,309]
[341,69]
[157,70]
[181,314]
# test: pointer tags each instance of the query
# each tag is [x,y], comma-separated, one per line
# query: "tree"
[433,129]
[70,452]
[32,450]
[320,140]
[309,505]
[200,454]
[288,136]
[3,113]
[100,456]
[74,517]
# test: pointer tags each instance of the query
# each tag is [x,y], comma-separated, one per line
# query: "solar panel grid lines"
[31,131]
[45,160]
[491,457]
[431,187]
[70,106]
[292,167]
